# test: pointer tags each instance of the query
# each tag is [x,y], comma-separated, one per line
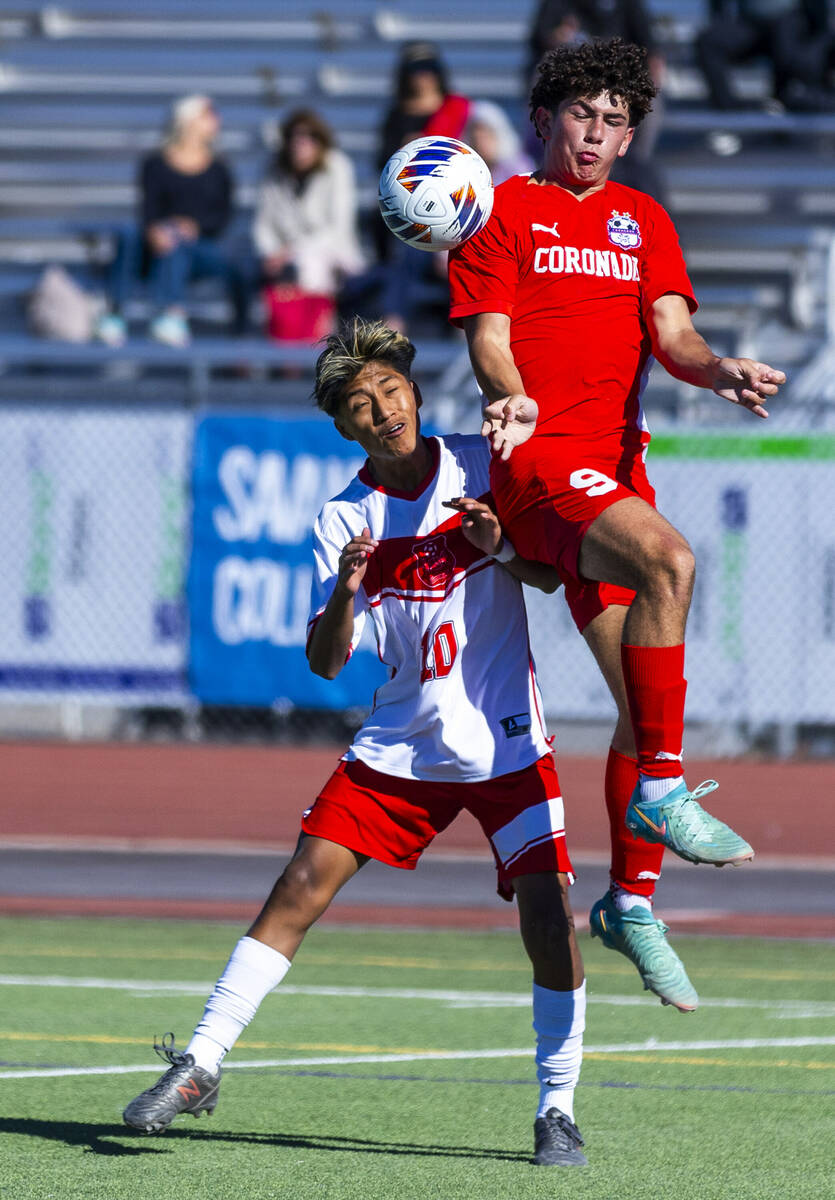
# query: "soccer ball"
[435,192]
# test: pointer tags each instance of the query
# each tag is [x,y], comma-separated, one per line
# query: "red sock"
[655,688]
[636,864]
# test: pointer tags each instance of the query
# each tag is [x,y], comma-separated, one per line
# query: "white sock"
[559,1019]
[253,970]
[624,900]
[657,789]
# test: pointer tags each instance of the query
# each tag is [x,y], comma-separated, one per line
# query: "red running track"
[144,795]
[255,795]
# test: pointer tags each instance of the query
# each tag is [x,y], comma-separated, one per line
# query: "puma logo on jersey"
[552,229]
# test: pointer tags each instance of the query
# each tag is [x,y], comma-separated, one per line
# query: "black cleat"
[557,1141]
[183,1088]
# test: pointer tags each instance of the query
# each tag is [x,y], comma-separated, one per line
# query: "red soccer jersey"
[577,279]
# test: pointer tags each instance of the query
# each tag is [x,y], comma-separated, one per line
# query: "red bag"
[297,316]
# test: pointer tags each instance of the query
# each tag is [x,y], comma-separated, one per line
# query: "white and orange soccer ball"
[435,192]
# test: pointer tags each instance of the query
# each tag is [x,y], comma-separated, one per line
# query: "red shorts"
[588,600]
[394,820]
[547,495]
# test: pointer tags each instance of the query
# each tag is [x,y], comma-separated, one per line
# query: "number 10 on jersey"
[439,649]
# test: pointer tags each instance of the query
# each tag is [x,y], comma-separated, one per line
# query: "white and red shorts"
[394,820]
[550,491]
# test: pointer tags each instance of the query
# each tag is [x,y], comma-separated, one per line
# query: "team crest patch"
[435,561]
[623,230]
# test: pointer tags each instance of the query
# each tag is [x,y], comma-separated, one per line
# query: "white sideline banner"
[93,532]
[758,512]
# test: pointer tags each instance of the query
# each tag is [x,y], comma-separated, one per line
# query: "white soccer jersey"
[462,701]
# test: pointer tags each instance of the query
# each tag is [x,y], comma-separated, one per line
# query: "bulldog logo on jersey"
[623,230]
[435,562]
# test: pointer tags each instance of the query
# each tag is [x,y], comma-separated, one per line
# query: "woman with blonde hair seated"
[186,199]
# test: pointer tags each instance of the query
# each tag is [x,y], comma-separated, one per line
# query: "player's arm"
[481,527]
[509,415]
[686,355]
[329,645]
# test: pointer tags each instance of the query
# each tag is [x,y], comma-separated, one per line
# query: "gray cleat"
[557,1141]
[185,1087]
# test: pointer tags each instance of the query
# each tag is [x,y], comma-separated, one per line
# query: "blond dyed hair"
[354,346]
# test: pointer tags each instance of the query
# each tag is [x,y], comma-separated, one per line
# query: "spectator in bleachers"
[186,196]
[423,103]
[305,229]
[562,22]
[565,22]
[793,36]
[491,134]
[410,280]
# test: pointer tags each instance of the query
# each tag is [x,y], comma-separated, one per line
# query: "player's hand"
[353,561]
[479,522]
[747,383]
[509,422]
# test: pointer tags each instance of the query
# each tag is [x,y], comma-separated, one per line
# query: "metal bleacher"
[85,87]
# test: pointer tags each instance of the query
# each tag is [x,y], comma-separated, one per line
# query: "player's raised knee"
[669,564]
[680,562]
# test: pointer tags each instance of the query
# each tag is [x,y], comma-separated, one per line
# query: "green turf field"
[398,1065]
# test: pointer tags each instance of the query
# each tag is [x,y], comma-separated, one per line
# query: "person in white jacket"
[305,229]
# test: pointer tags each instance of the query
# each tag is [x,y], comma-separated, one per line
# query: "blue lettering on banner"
[259,483]
[733,504]
[37,606]
[734,508]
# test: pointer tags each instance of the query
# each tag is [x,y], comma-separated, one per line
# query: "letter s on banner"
[236,475]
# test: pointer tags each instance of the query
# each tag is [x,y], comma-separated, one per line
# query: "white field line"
[452,998]
[651,1045]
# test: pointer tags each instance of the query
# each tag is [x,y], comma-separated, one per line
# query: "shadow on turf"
[96,1138]
[76,1133]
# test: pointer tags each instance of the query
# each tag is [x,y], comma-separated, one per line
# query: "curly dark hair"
[578,72]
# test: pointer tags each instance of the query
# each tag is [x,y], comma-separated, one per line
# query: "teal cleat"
[679,822]
[641,937]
